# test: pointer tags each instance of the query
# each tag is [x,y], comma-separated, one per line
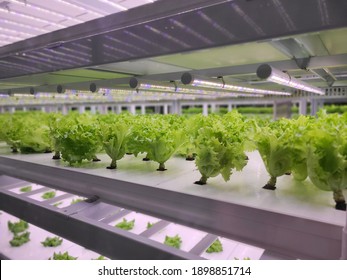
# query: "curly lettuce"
[273,143]
[327,160]
[114,138]
[77,136]
[220,147]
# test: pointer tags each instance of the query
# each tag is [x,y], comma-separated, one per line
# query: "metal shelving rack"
[271,220]
[240,209]
[86,223]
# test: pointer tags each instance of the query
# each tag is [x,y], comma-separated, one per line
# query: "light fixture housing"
[269,73]
[219,84]
[139,84]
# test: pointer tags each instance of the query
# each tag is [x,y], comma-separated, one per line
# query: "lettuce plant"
[34,134]
[77,138]
[52,241]
[20,239]
[49,195]
[191,127]
[26,132]
[274,145]
[215,247]
[17,227]
[149,225]
[114,138]
[299,149]
[62,256]
[53,123]
[26,189]
[173,241]
[125,224]
[140,135]
[11,130]
[220,147]
[327,160]
[100,258]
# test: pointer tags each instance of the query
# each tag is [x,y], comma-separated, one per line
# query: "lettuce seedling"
[19,240]
[62,256]
[17,227]
[173,241]
[215,247]
[74,201]
[100,258]
[149,225]
[26,189]
[126,225]
[49,195]
[52,241]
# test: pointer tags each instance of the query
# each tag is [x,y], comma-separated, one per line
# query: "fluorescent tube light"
[189,79]
[267,72]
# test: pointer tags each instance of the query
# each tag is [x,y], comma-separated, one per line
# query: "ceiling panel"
[335,40]
[59,7]
[181,28]
[100,6]
[207,38]
[47,16]
[133,3]
[90,73]
[142,67]
[44,14]
[20,19]
[225,56]
[59,77]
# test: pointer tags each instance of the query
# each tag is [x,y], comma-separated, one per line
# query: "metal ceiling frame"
[315,64]
[132,17]
[146,19]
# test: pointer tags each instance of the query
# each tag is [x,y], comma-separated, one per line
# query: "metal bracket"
[302,62]
[222,79]
[175,84]
[330,82]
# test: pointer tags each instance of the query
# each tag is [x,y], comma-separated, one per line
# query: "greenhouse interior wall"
[195,86]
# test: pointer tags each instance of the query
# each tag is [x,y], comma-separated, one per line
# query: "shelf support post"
[81,109]
[303,107]
[132,109]
[143,109]
[165,110]
[64,110]
[205,109]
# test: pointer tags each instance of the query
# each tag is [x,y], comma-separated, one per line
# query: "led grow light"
[189,79]
[267,72]
[139,84]
[115,5]
[45,11]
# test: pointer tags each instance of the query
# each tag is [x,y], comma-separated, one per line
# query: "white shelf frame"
[287,234]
